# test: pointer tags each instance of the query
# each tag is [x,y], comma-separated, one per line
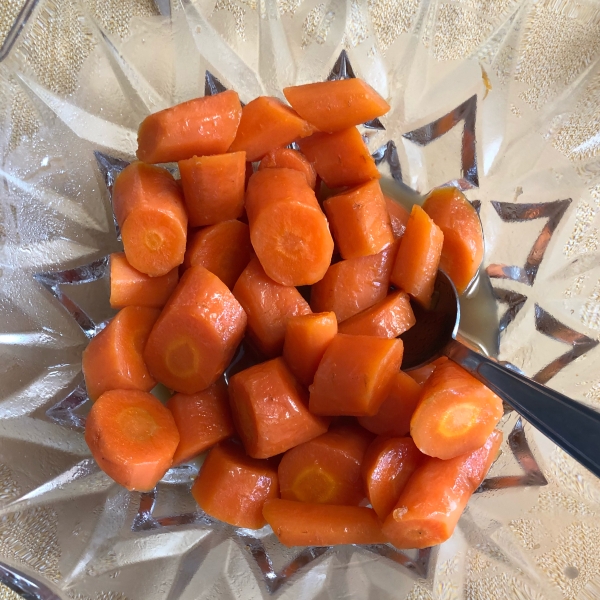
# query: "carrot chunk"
[287,158]
[334,105]
[233,487]
[132,437]
[387,465]
[202,420]
[269,409]
[456,413]
[198,127]
[266,124]
[435,496]
[422,374]
[268,305]
[130,287]
[197,333]
[418,257]
[355,375]
[341,158]
[113,359]
[398,216]
[224,249]
[304,524]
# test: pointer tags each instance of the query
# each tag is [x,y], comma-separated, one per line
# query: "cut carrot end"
[314,484]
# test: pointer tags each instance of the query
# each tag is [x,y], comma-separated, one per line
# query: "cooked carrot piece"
[355,375]
[233,487]
[353,285]
[341,158]
[287,158]
[455,414]
[132,437]
[202,420]
[270,411]
[398,216]
[113,359]
[149,208]
[335,105]
[268,306]
[304,524]
[197,333]
[462,251]
[288,229]
[266,124]
[435,496]
[224,249]
[359,220]
[213,187]
[422,374]
[198,127]
[393,417]
[387,465]
[306,339]
[418,257]
[130,287]
[388,318]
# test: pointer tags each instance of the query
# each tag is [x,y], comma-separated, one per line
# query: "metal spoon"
[572,426]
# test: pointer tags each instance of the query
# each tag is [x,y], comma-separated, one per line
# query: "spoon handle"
[572,426]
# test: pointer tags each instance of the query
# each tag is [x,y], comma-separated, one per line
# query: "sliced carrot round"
[287,158]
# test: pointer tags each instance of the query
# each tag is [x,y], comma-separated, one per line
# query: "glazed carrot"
[422,374]
[341,158]
[268,306]
[304,524]
[306,339]
[418,257]
[398,216]
[269,409]
[387,465]
[129,287]
[197,333]
[435,496]
[455,414]
[388,318]
[393,417]
[359,220]
[335,105]
[113,359]
[326,469]
[266,124]
[224,249]
[351,286]
[202,420]
[288,229]
[287,158]
[213,187]
[462,251]
[355,375]
[201,126]
[149,209]
[132,437]
[233,487]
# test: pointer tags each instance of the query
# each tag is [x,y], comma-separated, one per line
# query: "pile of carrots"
[314,429]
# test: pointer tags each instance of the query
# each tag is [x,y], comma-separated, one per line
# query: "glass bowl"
[498,97]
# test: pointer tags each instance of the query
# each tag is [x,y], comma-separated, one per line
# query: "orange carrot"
[266,124]
[224,249]
[269,410]
[233,487]
[435,496]
[304,524]
[287,158]
[132,437]
[129,287]
[422,374]
[335,105]
[416,264]
[201,126]
[202,420]
[398,216]
[149,209]
[268,306]
[455,414]
[197,333]
[355,375]
[113,359]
